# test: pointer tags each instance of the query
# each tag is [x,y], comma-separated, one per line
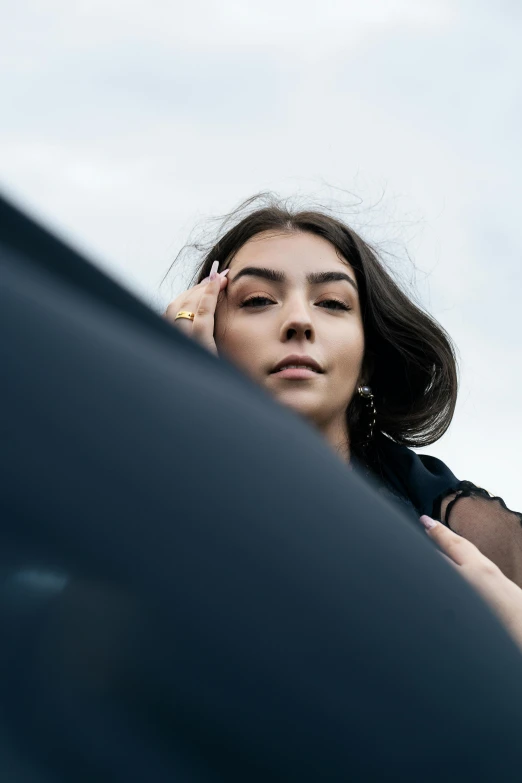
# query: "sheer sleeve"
[488,523]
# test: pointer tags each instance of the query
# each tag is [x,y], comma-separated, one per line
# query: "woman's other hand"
[503,595]
[200,300]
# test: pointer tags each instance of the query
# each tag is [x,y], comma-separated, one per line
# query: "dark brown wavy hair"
[410,359]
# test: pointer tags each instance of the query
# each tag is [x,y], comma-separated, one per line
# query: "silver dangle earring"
[366,393]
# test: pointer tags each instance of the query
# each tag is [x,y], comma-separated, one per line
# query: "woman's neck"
[337,435]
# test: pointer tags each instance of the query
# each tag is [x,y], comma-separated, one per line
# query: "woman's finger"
[203,326]
[187,301]
[187,304]
[458,549]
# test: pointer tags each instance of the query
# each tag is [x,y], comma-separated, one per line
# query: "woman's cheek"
[352,355]
[230,337]
[246,347]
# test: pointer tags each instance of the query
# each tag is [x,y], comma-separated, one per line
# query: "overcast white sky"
[124,124]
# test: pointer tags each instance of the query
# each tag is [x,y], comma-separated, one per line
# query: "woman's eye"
[262,301]
[335,304]
[257,301]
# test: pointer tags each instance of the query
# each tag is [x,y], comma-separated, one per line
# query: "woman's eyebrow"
[315,278]
[276,276]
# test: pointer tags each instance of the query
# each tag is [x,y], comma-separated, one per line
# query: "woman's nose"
[299,331]
[298,323]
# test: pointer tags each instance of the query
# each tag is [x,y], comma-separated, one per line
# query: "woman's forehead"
[294,252]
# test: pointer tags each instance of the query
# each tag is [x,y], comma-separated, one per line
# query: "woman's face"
[289,294]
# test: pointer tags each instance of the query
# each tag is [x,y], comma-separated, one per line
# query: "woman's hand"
[503,595]
[200,300]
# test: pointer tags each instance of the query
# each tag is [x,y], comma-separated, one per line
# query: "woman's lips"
[297,374]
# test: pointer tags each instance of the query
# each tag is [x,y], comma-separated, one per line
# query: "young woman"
[302,304]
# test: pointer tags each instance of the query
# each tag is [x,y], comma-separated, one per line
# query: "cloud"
[203,27]
[126,124]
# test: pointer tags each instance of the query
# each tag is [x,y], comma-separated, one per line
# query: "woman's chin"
[304,404]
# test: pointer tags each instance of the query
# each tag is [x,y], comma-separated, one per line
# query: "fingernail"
[428,522]
[225,273]
[213,270]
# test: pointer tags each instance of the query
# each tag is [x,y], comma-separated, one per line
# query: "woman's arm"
[486,521]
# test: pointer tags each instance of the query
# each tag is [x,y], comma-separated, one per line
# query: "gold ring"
[185,314]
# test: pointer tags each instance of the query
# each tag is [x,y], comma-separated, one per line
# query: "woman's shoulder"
[427,481]
[420,478]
